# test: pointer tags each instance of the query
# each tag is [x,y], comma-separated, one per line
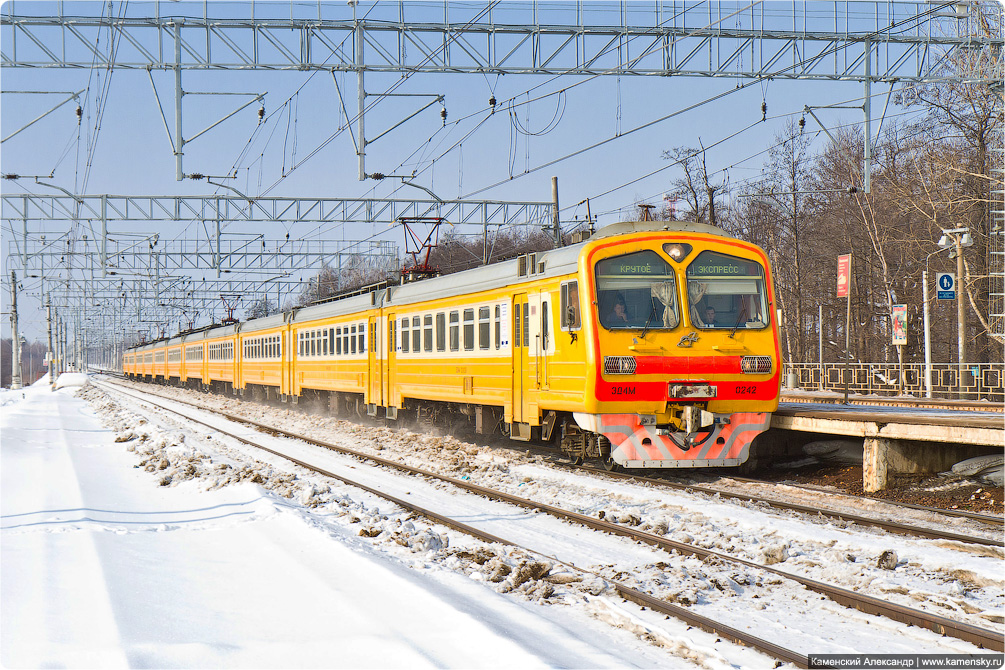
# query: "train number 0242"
[742,389]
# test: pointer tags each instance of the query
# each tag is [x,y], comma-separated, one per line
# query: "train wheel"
[609,464]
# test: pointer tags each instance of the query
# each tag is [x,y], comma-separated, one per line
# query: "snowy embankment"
[745,597]
[101,566]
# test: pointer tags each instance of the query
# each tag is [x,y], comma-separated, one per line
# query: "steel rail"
[984,518]
[628,593]
[892,526]
[981,637]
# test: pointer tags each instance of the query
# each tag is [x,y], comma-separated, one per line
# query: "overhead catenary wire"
[832,50]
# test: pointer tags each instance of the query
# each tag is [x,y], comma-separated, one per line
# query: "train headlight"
[619,365]
[755,365]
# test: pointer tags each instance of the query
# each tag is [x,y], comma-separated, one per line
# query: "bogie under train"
[652,344]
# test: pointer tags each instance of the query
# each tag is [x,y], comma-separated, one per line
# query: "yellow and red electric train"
[652,344]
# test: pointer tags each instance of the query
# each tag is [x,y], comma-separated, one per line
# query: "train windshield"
[637,290]
[726,292]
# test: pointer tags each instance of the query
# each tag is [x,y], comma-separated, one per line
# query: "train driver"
[618,317]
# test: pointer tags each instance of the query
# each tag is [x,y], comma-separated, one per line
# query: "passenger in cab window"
[710,316]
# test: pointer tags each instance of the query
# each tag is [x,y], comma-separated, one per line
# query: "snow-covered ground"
[267,564]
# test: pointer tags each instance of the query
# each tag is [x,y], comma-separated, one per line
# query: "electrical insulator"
[261,114]
[764,111]
[443,115]
[802,123]
[80,113]
[492,103]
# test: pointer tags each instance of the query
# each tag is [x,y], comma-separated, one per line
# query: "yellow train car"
[221,358]
[263,345]
[193,351]
[175,360]
[147,367]
[336,354]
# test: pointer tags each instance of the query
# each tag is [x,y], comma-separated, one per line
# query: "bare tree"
[694,187]
[261,308]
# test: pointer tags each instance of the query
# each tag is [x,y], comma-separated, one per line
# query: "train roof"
[264,323]
[348,305]
[629,227]
[223,331]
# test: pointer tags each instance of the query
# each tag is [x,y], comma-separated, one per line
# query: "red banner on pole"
[844,275]
[900,324]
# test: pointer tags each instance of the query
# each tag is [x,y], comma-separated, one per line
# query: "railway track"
[979,636]
[958,513]
[891,526]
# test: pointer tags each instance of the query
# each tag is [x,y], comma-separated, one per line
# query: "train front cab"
[685,361]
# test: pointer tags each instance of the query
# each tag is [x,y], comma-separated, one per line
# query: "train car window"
[362,338]
[345,340]
[545,318]
[516,325]
[324,342]
[338,341]
[526,324]
[726,292]
[569,306]
[405,341]
[637,290]
[416,334]
[314,343]
[484,327]
[427,332]
[454,331]
[352,338]
[334,342]
[441,331]
[469,329]
[498,326]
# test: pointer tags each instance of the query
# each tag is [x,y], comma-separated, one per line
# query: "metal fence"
[981,381]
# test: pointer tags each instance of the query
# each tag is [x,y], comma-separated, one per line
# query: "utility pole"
[15,345]
[48,324]
[555,215]
[961,315]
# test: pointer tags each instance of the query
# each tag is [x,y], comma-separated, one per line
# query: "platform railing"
[982,381]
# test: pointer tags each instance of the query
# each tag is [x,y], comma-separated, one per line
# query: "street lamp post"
[958,239]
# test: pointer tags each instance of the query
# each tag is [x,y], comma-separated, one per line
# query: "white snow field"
[101,567]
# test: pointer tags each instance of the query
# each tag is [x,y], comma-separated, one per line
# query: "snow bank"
[70,379]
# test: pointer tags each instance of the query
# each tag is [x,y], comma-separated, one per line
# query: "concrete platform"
[911,440]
